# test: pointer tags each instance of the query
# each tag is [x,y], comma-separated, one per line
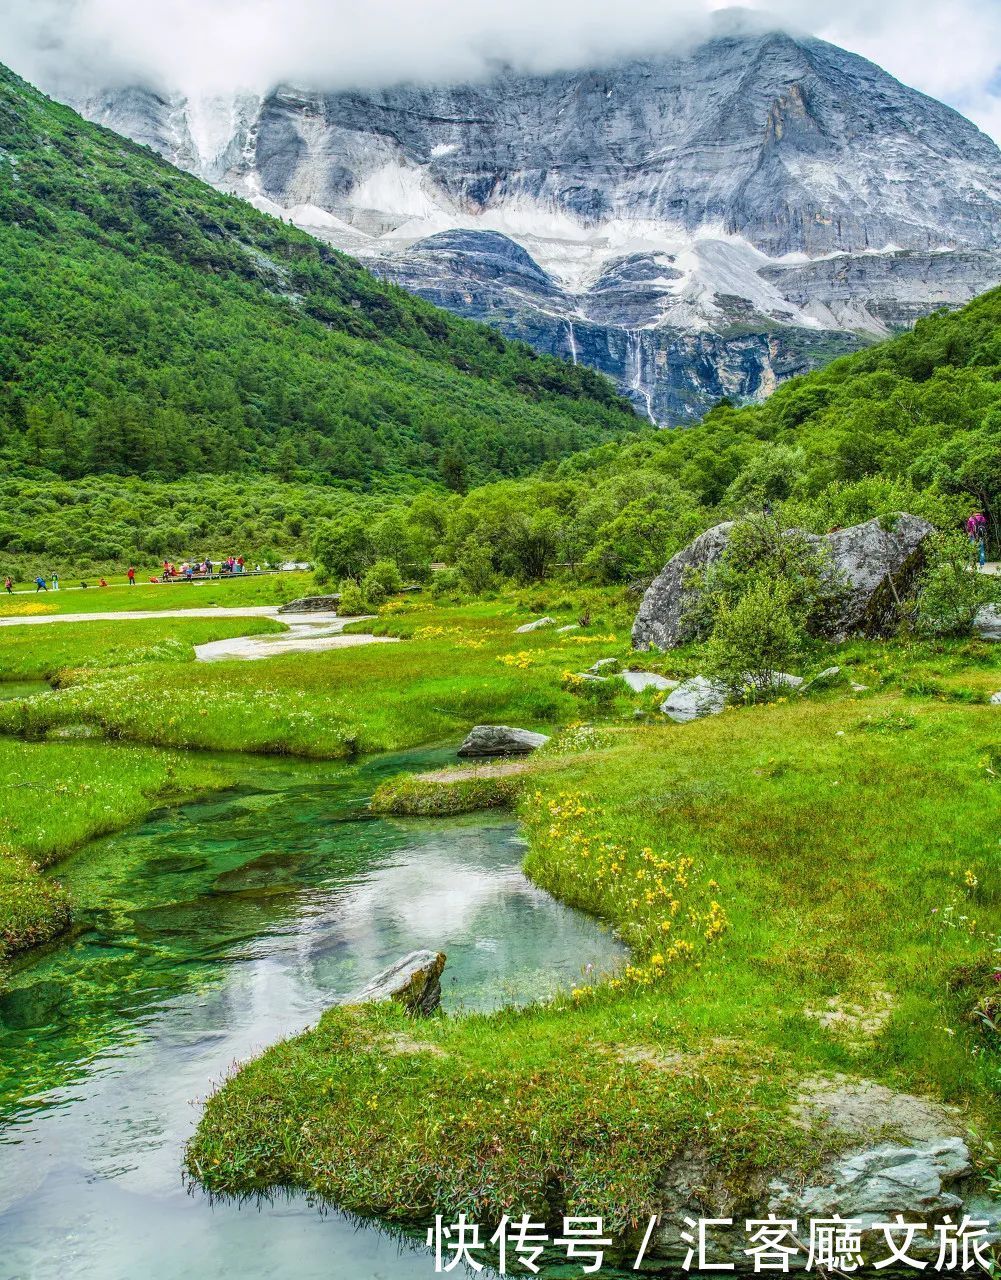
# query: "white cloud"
[949,50]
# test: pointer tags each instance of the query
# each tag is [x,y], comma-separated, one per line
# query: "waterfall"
[573,341]
[634,371]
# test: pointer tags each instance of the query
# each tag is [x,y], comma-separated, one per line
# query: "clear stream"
[207,934]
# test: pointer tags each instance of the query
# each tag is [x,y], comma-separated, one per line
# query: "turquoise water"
[202,937]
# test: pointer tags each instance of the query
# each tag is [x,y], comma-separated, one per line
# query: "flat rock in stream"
[414,982]
[312,604]
[501,740]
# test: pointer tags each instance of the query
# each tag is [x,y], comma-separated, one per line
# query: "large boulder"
[312,604]
[872,566]
[693,699]
[661,620]
[414,982]
[877,567]
[501,740]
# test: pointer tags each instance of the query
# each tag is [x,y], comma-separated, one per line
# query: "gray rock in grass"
[501,740]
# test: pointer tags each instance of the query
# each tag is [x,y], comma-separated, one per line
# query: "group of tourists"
[46,584]
[188,570]
[197,569]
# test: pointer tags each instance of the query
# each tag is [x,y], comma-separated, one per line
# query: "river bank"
[215,929]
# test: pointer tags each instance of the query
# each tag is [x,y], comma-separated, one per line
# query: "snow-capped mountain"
[696,225]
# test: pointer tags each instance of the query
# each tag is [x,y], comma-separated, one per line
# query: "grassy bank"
[457,665]
[67,650]
[56,797]
[118,595]
[767,867]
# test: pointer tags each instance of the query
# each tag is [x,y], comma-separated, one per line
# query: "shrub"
[353,600]
[475,567]
[445,583]
[761,551]
[951,591]
[382,580]
[754,639]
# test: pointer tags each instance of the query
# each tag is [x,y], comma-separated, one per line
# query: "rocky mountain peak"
[697,224]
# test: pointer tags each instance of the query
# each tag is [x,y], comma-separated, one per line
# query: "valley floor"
[810,889]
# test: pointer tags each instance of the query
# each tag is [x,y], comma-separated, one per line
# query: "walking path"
[307,632]
[136,615]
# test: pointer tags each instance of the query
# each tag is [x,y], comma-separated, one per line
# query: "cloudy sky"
[948,48]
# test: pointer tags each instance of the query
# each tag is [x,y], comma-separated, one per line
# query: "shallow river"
[202,937]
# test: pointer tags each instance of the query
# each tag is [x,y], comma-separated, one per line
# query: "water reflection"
[206,935]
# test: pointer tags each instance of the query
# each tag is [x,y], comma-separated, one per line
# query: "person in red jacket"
[132,575]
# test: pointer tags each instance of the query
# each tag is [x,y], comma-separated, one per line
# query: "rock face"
[501,740]
[634,217]
[923,1174]
[537,625]
[312,604]
[873,566]
[414,982]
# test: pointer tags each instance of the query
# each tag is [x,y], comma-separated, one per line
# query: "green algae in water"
[202,937]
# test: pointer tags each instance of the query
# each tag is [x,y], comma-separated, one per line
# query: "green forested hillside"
[153,332]
[912,423]
[150,326]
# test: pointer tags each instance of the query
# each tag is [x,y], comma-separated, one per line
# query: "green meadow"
[767,867]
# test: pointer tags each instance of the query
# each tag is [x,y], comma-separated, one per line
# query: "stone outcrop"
[501,740]
[825,679]
[872,566]
[414,982]
[638,681]
[538,625]
[312,604]
[923,1172]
